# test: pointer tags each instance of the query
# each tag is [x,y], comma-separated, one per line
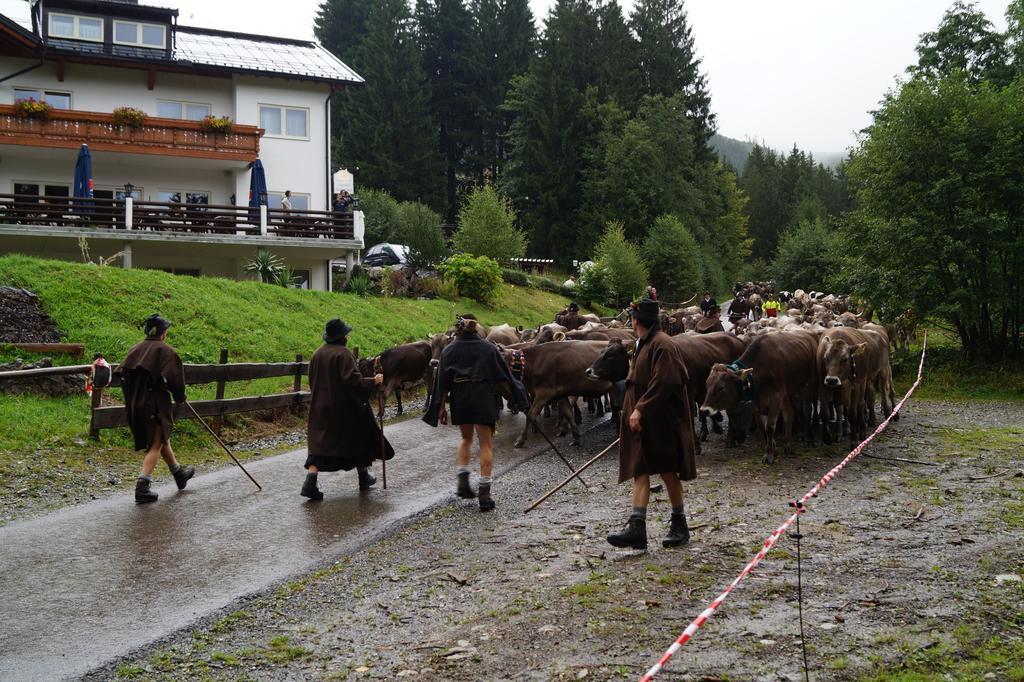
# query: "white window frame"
[184,104]
[42,93]
[138,34]
[282,108]
[278,196]
[42,186]
[77,34]
[183,192]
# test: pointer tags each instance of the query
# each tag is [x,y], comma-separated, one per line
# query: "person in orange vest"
[771,306]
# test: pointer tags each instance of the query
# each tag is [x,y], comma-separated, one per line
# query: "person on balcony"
[286,201]
[151,375]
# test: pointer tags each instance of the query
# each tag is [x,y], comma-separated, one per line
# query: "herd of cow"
[816,368]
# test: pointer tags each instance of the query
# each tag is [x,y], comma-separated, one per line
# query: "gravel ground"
[906,567]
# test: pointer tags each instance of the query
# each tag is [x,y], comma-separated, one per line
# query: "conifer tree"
[387,133]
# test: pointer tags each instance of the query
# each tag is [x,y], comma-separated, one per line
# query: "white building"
[86,58]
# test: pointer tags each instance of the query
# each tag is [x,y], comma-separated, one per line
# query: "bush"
[673,256]
[477,277]
[806,258]
[427,287]
[517,277]
[627,273]
[380,212]
[487,227]
[395,284]
[360,284]
[449,291]
[420,229]
[592,284]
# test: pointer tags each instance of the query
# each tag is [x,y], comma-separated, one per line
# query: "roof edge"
[246,36]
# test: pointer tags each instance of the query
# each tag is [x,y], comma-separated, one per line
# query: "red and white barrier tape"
[772,539]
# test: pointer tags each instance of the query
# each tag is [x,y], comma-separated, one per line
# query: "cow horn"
[558,336]
[744,373]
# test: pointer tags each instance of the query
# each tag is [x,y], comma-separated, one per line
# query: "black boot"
[182,475]
[310,489]
[463,490]
[678,532]
[633,536]
[366,479]
[142,492]
[486,501]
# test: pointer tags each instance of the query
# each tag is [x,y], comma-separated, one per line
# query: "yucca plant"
[265,265]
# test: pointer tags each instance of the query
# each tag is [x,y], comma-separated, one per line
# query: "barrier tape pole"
[772,539]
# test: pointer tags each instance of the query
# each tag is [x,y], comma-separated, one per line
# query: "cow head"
[365,366]
[613,363]
[724,388]
[839,360]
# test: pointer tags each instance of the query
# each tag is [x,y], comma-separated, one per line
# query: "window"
[143,35]
[116,193]
[190,111]
[284,121]
[179,196]
[300,202]
[76,27]
[301,279]
[58,100]
[32,189]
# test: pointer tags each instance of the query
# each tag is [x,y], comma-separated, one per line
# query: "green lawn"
[103,308]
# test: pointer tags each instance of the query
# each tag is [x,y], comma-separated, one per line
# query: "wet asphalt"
[85,585]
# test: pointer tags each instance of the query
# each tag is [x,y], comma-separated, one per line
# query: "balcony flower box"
[129,117]
[218,124]
[32,108]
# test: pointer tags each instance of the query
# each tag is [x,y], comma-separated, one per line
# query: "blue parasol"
[257,190]
[83,179]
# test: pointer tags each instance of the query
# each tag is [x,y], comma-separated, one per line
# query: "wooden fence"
[221,374]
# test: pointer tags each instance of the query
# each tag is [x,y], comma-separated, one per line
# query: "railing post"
[94,432]
[129,212]
[218,420]
[263,219]
[358,227]
[297,386]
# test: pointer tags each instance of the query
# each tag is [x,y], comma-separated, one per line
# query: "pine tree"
[669,63]
[387,133]
[445,34]
[340,26]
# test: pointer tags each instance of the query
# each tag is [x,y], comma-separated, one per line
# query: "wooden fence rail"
[220,374]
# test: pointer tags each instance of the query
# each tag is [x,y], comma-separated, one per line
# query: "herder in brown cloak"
[657,430]
[151,375]
[342,433]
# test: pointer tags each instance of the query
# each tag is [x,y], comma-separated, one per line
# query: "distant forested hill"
[732,152]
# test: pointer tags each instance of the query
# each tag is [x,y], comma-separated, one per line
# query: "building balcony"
[69,129]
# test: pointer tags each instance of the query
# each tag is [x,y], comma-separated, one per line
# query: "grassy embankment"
[103,307]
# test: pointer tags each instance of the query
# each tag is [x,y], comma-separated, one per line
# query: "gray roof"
[235,52]
[242,52]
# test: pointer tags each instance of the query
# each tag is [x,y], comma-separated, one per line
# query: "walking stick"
[226,449]
[380,422]
[575,474]
[533,420]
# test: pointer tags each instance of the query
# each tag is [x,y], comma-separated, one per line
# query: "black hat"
[647,312]
[155,325]
[335,331]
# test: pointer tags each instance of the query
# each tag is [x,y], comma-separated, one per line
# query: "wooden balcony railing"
[164,136]
[156,216]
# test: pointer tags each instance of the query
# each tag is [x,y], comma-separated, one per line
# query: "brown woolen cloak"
[656,385]
[342,432]
[151,375]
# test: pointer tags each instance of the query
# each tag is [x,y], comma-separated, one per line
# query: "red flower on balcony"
[129,117]
[218,124]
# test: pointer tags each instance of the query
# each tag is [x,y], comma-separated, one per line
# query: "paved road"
[83,586]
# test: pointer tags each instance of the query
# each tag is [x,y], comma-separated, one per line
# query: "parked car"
[386,254]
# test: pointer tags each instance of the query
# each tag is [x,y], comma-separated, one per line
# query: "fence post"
[263,219]
[297,386]
[129,212]
[94,433]
[219,419]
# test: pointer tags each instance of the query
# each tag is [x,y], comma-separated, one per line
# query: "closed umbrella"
[83,180]
[257,190]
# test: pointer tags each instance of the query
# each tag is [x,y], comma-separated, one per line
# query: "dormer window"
[139,34]
[76,27]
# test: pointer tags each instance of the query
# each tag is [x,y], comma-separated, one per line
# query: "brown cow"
[555,371]
[403,365]
[504,335]
[848,362]
[777,372]
[625,335]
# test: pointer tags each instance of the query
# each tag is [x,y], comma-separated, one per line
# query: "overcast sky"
[781,71]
